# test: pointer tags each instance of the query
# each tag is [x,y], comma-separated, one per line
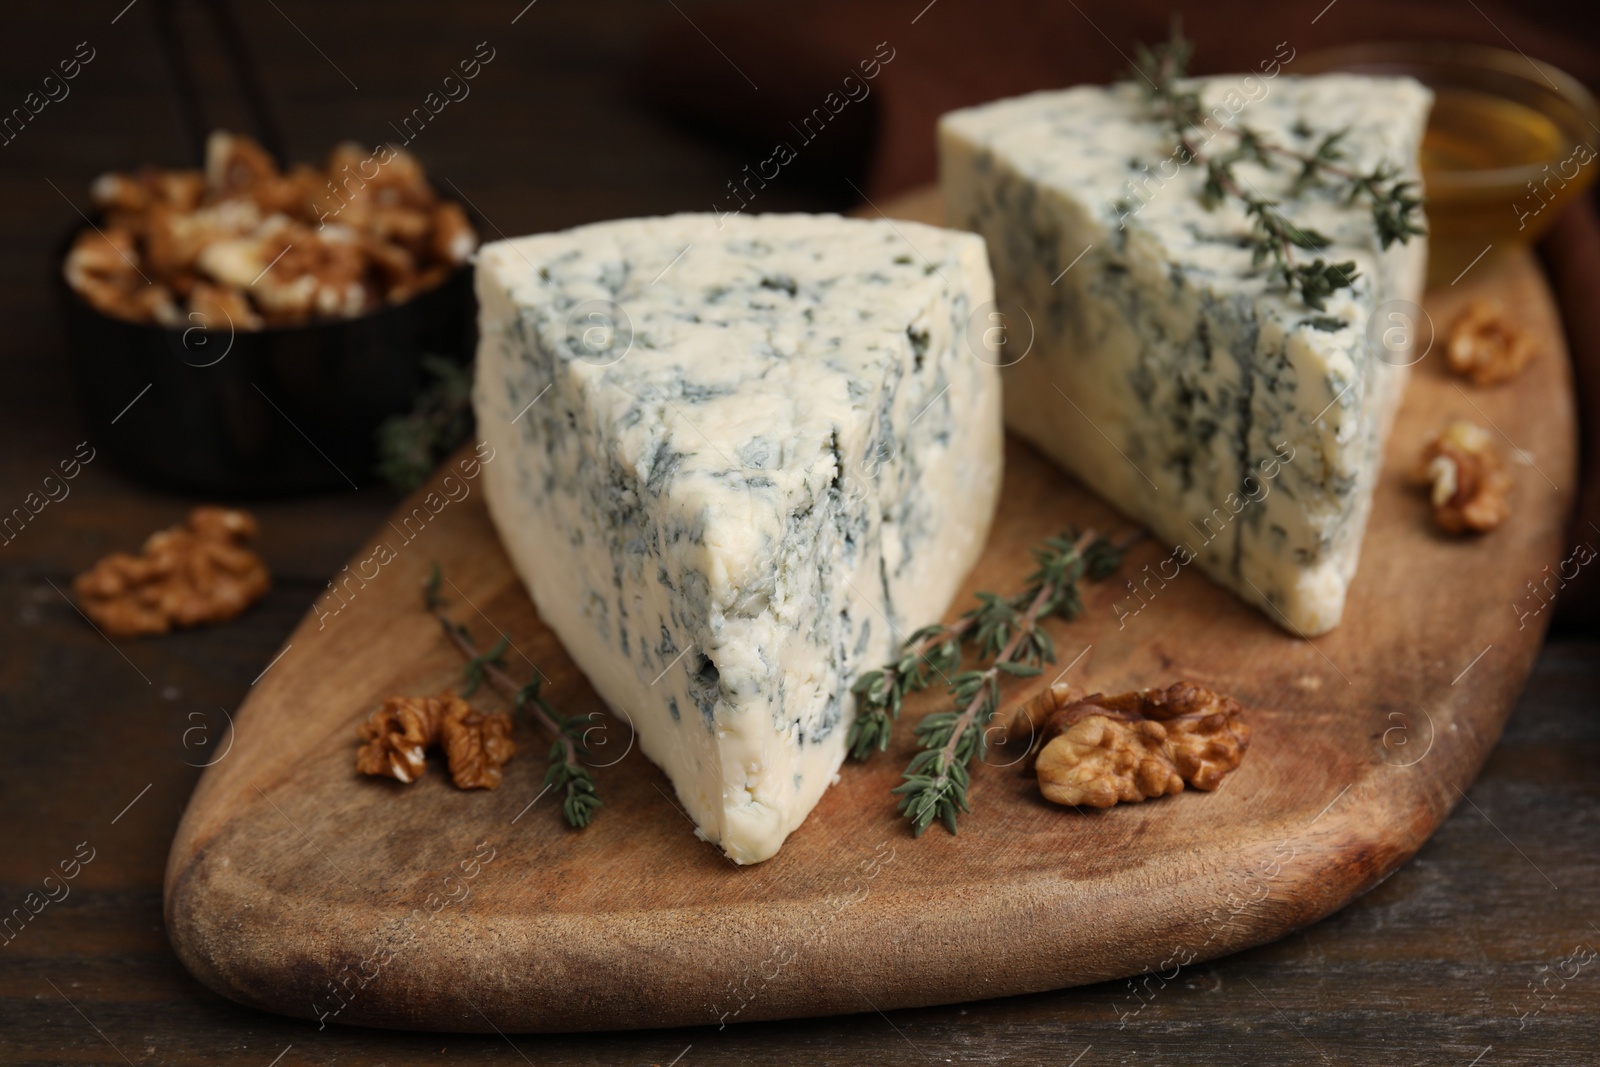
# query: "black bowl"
[265,412]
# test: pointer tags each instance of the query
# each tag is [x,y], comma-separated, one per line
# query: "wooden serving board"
[298,887]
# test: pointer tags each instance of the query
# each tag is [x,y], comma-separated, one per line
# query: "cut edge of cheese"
[755,502]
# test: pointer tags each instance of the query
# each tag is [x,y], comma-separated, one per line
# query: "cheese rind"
[737,461]
[1167,370]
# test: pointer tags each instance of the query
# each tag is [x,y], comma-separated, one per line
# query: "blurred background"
[593,110]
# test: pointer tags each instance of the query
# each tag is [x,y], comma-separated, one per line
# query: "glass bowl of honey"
[1510,142]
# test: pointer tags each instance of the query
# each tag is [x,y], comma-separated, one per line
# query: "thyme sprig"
[580,798]
[411,445]
[1273,235]
[934,653]
[1007,631]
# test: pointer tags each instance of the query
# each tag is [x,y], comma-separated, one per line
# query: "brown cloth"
[750,70]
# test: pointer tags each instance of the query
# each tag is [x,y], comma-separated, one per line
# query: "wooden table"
[1456,960]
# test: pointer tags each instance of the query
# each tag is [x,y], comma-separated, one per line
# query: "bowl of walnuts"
[246,328]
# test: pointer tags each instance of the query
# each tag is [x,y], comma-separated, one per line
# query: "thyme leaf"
[1006,631]
[1273,237]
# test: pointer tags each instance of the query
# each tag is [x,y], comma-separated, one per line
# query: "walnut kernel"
[399,734]
[242,245]
[1102,750]
[1099,761]
[1467,482]
[196,573]
[1486,346]
[1028,721]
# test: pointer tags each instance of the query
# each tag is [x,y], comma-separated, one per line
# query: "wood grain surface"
[296,886]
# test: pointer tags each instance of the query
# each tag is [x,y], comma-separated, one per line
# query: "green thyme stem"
[928,652]
[1009,631]
[504,682]
[948,633]
[566,771]
[919,649]
[1274,236]
[1029,620]
[935,651]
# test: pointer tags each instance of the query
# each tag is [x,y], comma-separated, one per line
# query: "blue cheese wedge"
[1166,369]
[737,461]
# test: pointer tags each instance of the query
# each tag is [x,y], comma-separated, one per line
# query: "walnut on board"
[1103,750]
[1486,346]
[1467,483]
[398,735]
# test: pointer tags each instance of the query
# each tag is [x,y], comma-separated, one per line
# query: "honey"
[1473,131]
[1510,142]
[1477,144]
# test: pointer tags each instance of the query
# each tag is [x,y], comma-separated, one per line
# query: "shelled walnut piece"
[1100,750]
[242,246]
[1486,346]
[188,575]
[399,734]
[1466,481]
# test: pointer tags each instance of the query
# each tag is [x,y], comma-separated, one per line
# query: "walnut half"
[1485,346]
[1466,482]
[1101,750]
[196,573]
[399,734]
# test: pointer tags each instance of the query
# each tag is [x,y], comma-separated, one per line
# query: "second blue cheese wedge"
[1167,369]
[736,462]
